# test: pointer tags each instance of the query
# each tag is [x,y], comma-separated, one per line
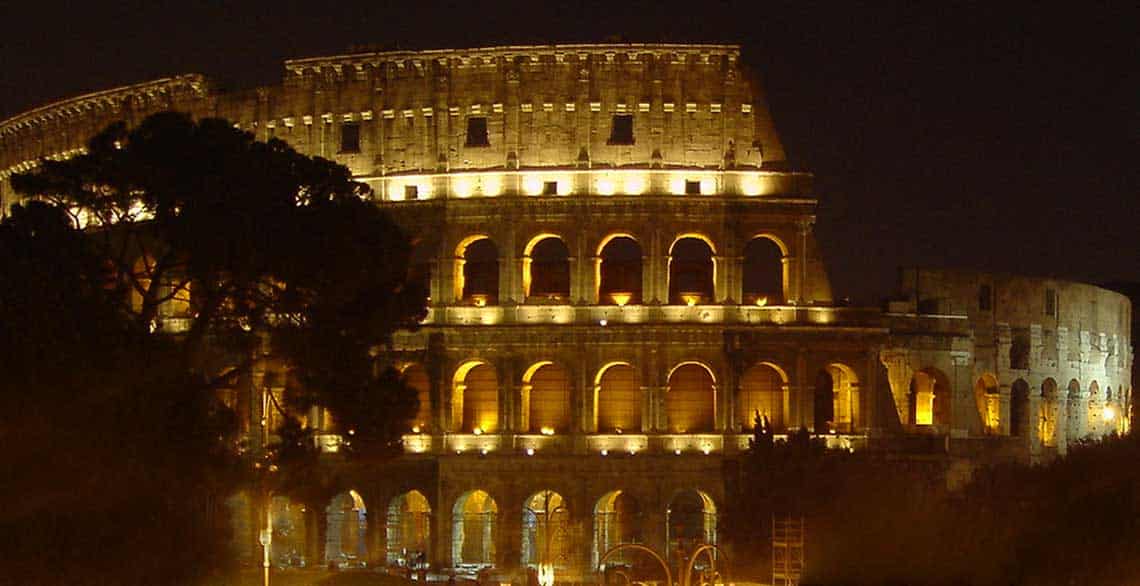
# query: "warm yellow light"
[463,187]
[708,186]
[677,186]
[547,431]
[477,431]
[634,185]
[761,301]
[415,429]
[605,452]
[492,185]
[1109,413]
[545,575]
[677,451]
[691,299]
[532,185]
[530,451]
[605,186]
[621,298]
[750,185]
[480,300]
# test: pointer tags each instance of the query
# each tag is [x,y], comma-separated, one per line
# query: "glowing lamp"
[621,298]
[605,452]
[545,575]
[761,301]
[706,450]
[463,187]
[477,431]
[691,299]
[483,452]
[415,429]
[605,187]
[530,451]
[479,299]
[1109,413]
[634,185]
[603,322]
[677,452]
[547,431]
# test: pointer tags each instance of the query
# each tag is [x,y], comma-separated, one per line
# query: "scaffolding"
[787,550]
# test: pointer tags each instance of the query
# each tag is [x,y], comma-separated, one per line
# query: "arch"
[546,398]
[287,549]
[617,398]
[836,400]
[546,530]
[616,520]
[694,235]
[408,530]
[930,394]
[546,267]
[618,269]
[987,398]
[690,520]
[415,376]
[1019,408]
[474,521]
[763,390]
[1095,409]
[346,526]
[477,270]
[765,279]
[690,399]
[692,270]
[1048,413]
[1075,412]
[475,398]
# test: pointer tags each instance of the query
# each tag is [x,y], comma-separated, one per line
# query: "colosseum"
[623,272]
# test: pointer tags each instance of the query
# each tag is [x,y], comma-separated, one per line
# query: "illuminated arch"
[475,398]
[545,398]
[1019,408]
[408,529]
[690,398]
[1095,409]
[836,399]
[548,277]
[765,276]
[617,398]
[477,280]
[618,280]
[1077,414]
[415,376]
[987,399]
[616,520]
[1048,412]
[779,242]
[691,519]
[474,519]
[546,530]
[347,525]
[764,390]
[692,270]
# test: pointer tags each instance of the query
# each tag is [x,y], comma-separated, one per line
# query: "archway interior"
[481,272]
[619,400]
[988,400]
[546,530]
[416,377]
[1095,408]
[546,399]
[615,522]
[1019,408]
[619,278]
[690,402]
[549,268]
[476,399]
[1050,410]
[691,521]
[287,549]
[346,523]
[930,397]
[474,520]
[408,530]
[691,272]
[763,272]
[761,395]
[1076,416]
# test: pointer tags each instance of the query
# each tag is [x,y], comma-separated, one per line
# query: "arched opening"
[690,521]
[1095,409]
[930,397]
[764,274]
[420,266]
[1019,408]
[690,400]
[475,399]
[416,377]
[1019,350]
[1050,410]
[474,520]
[823,403]
[546,268]
[477,275]
[173,295]
[617,395]
[616,517]
[619,271]
[346,526]
[762,391]
[409,530]
[1075,413]
[546,531]
[691,271]
[988,399]
[287,549]
[546,399]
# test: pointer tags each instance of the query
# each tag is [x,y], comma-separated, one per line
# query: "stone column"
[1061,423]
[721,293]
[1004,393]
[899,373]
[510,275]
[657,290]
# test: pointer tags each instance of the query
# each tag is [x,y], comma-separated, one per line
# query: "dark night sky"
[1001,138]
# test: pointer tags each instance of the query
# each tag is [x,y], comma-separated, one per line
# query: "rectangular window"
[550,188]
[477,132]
[692,188]
[411,192]
[350,138]
[985,298]
[1051,302]
[622,130]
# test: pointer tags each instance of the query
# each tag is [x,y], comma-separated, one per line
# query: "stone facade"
[620,385]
